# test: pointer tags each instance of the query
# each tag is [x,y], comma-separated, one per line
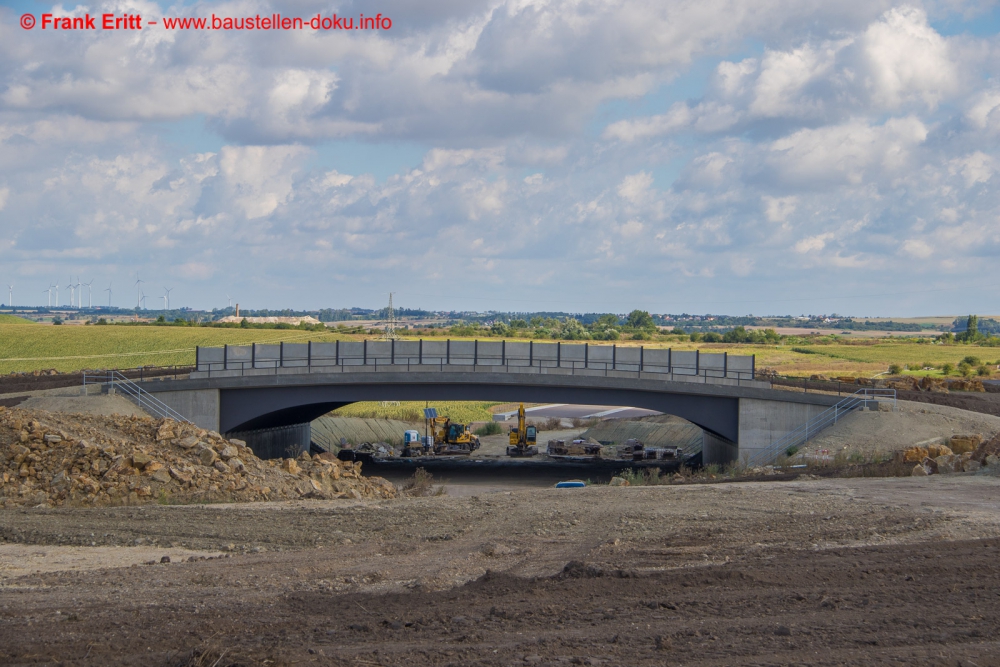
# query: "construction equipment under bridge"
[269,394]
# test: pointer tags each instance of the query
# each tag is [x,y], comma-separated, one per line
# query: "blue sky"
[713,156]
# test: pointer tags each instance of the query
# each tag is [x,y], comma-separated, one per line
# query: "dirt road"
[854,571]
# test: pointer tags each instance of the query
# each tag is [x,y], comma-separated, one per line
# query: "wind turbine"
[49,292]
[142,299]
[166,298]
[230,300]
[10,295]
[108,290]
[90,294]
[71,286]
[57,294]
[138,290]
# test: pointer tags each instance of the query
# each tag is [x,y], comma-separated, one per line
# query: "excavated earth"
[866,571]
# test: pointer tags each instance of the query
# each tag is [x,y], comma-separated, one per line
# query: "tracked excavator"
[522,437]
[452,438]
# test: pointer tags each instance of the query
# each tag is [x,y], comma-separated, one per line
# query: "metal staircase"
[119,384]
[859,399]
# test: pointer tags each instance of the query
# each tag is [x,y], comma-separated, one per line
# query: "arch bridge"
[269,394]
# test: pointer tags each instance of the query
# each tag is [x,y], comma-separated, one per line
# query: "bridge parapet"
[476,356]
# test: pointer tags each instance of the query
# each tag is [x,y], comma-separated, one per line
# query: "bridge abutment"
[278,442]
[763,422]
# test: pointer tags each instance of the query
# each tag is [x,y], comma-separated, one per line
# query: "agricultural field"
[13,319]
[64,348]
[25,346]
[413,411]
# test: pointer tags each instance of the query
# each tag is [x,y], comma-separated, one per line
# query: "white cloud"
[531,136]
[846,153]
[635,188]
[908,60]
[917,248]
[813,243]
[259,177]
[779,209]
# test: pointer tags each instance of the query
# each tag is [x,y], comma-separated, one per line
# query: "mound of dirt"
[88,460]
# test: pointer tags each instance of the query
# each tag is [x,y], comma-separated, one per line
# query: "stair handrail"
[831,415]
[133,390]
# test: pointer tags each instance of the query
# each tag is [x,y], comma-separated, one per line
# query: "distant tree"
[946,369]
[712,337]
[244,324]
[678,331]
[895,369]
[640,319]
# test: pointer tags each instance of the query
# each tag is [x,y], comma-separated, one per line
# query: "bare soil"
[878,433]
[817,572]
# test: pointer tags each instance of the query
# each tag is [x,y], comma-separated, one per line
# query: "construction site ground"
[500,570]
[808,572]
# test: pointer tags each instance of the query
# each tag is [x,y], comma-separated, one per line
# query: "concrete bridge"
[268,394]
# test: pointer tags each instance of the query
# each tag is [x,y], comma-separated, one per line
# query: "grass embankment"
[74,348]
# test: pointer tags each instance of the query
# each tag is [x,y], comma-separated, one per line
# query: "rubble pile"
[84,460]
[963,453]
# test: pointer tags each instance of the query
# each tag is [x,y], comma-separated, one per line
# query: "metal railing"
[828,417]
[251,360]
[118,383]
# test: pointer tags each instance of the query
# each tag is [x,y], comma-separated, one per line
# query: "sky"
[704,156]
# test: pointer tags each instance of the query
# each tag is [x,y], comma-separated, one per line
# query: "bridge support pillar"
[281,442]
[717,450]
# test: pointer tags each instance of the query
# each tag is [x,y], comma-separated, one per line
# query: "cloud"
[635,188]
[908,60]
[813,243]
[694,142]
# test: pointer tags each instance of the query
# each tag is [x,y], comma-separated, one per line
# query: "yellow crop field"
[459,411]
[72,348]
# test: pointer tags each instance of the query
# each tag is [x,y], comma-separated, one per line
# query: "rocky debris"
[946,463]
[84,460]
[986,451]
[918,454]
[960,444]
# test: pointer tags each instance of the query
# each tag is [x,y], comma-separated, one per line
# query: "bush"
[895,369]
[965,369]
[972,361]
[695,337]
[947,369]
[983,371]
[712,337]
[792,451]
[421,484]
[489,428]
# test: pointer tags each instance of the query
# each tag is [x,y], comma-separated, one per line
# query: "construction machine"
[522,437]
[452,438]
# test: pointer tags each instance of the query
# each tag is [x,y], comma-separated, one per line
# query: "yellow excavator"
[452,438]
[522,437]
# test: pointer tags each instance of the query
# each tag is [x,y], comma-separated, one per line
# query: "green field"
[13,319]
[72,348]
[413,411]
